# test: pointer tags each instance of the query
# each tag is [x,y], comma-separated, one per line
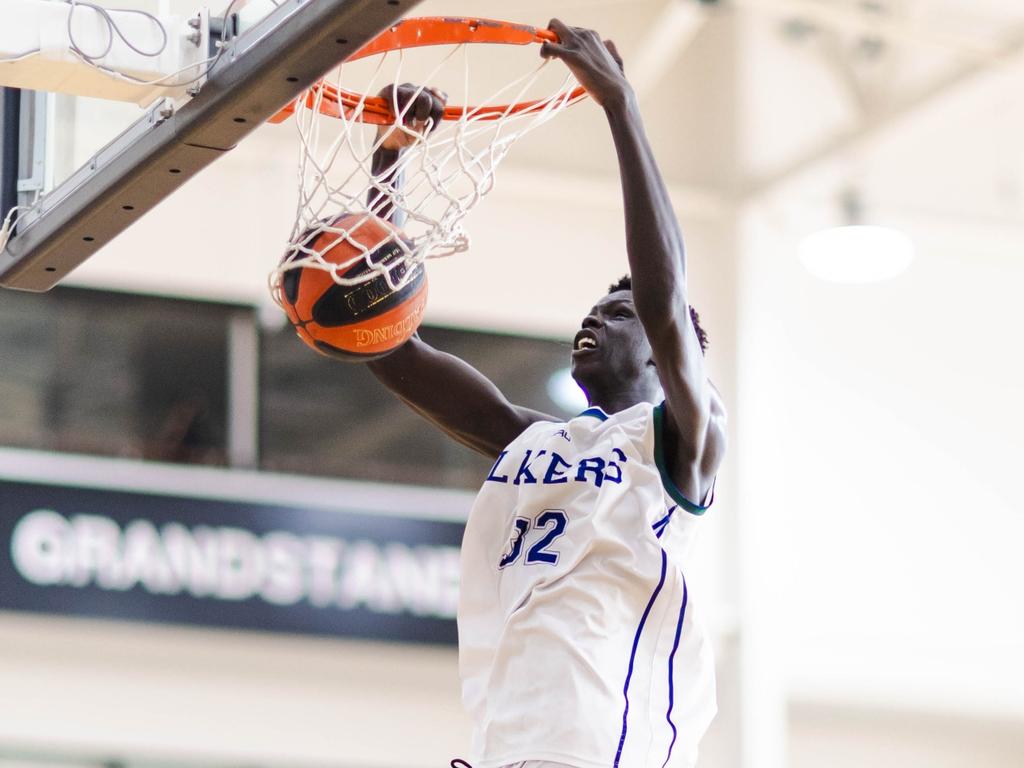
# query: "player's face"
[611,344]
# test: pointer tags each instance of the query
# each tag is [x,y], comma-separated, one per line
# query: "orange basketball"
[362,322]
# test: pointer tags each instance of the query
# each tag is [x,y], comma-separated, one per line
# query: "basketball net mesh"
[446,171]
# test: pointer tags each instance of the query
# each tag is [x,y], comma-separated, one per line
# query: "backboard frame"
[261,70]
[10,138]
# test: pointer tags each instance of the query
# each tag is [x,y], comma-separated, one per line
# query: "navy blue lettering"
[613,472]
[521,526]
[595,465]
[524,475]
[538,552]
[554,474]
[493,478]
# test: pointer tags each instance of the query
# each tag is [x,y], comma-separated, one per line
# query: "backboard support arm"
[263,69]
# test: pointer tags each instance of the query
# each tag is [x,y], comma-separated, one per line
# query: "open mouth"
[585,341]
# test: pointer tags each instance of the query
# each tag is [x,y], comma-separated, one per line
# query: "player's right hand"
[421,110]
[594,62]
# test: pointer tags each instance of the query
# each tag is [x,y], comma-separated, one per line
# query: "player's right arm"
[448,392]
[453,396]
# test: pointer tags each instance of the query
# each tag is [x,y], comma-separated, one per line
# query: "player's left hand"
[421,109]
[595,63]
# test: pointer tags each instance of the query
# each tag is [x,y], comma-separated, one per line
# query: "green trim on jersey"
[659,460]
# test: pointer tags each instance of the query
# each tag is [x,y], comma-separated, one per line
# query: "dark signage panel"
[243,565]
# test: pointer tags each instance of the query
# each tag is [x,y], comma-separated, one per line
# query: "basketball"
[362,322]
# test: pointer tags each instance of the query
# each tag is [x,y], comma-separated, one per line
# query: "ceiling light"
[856,252]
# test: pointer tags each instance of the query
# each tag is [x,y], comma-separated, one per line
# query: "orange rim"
[418,33]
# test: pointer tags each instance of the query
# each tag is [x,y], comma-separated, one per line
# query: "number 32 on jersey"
[549,524]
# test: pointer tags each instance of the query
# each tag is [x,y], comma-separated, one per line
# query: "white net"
[445,170]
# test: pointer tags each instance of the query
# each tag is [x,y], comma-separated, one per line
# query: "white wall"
[851,737]
[879,437]
[154,693]
[882,424]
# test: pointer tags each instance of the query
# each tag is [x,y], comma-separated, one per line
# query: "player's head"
[625,283]
[611,353]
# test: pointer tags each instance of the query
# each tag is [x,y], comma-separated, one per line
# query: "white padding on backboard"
[37,53]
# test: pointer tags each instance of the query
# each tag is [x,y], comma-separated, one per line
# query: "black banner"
[245,565]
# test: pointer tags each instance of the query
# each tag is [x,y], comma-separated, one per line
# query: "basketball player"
[579,642]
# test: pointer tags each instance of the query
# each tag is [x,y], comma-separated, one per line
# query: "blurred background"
[172,458]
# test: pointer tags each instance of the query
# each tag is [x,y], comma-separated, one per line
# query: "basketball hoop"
[447,168]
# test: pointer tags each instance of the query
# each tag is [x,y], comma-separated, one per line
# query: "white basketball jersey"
[578,637]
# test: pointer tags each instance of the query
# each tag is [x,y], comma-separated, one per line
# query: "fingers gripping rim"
[417,33]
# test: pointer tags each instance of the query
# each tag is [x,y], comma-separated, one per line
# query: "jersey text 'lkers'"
[579,640]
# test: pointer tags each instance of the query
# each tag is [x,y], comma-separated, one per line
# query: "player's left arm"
[695,416]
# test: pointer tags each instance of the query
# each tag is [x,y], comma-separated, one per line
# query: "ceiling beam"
[894,29]
[830,51]
[664,42]
[873,123]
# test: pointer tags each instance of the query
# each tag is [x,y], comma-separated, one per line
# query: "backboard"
[80,197]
